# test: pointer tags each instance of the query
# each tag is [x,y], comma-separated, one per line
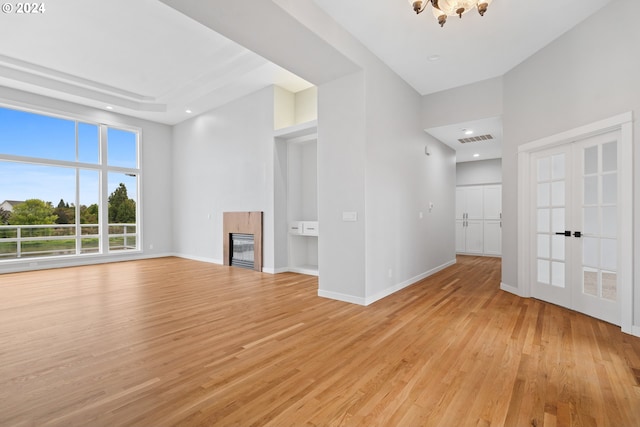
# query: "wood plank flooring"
[174,342]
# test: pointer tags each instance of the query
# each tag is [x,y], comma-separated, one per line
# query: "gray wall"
[479,172]
[341,188]
[400,183]
[156,202]
[223,161]
[588,74]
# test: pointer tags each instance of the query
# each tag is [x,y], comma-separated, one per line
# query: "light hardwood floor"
[176,342]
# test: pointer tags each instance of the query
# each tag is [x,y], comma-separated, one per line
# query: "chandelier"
[443,8]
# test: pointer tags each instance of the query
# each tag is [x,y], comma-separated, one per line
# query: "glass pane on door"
[599,221]
[550,219]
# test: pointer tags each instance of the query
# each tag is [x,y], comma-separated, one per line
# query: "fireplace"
[242,250]
[242,239]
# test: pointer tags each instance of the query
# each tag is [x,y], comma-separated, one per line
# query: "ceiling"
[145,59]
[468,50]
[140,58]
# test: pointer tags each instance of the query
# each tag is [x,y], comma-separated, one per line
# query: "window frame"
[103,170]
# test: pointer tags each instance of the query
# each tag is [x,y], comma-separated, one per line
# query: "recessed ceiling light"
[468,132]
[109,107]
[434,58]
[188,111]
[476,155]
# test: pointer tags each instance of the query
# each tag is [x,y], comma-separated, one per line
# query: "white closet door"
[492,237]
[478,220]
[474,239]
[461,235]
[474,207]
[461,203]
[492,202]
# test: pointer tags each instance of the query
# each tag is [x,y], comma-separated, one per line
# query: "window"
[69,187]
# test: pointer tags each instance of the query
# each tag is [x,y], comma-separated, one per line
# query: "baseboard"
[406,283]
[32,264]
[278,270]
[511,289]
[200,258]
[310,271]
[482,255]
[341,297]
[635,330]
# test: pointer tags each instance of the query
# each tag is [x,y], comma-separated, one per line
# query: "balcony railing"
[26,241]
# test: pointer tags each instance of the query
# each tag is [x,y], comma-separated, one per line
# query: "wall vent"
[475,138]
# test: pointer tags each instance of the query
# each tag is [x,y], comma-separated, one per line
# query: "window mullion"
[104,193]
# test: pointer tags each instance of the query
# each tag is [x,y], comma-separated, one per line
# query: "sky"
[33,135]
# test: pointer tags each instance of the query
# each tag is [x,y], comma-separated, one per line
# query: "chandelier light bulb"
[440,16]
[417,5]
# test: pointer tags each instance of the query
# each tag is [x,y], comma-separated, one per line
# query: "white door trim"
[624,122]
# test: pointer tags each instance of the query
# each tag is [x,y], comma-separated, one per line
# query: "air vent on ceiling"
[475,138]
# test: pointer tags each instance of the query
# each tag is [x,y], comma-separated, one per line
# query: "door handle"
[577,234]
[567,233]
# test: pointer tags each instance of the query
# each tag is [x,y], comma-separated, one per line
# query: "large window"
[68,187]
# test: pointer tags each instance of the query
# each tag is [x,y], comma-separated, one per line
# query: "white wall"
[223,161]
[156,177]
[588,74]
[341,188]
[479,172]
[400,183]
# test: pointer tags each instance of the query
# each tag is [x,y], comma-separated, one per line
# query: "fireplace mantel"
[246,223]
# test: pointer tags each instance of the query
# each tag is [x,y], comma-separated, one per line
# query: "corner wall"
[401,183]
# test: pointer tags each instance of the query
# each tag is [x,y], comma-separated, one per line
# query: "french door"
[575,259]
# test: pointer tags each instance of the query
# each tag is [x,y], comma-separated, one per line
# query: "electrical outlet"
[390,273]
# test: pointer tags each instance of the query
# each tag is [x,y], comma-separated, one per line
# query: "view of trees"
[122,209]
[33,212]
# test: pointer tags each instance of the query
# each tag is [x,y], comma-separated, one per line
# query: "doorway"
[575,209]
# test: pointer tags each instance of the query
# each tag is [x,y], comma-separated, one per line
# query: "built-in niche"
[298,161]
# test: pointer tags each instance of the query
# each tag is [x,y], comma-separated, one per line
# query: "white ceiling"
[140,57]
[470,49]
[145,59]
